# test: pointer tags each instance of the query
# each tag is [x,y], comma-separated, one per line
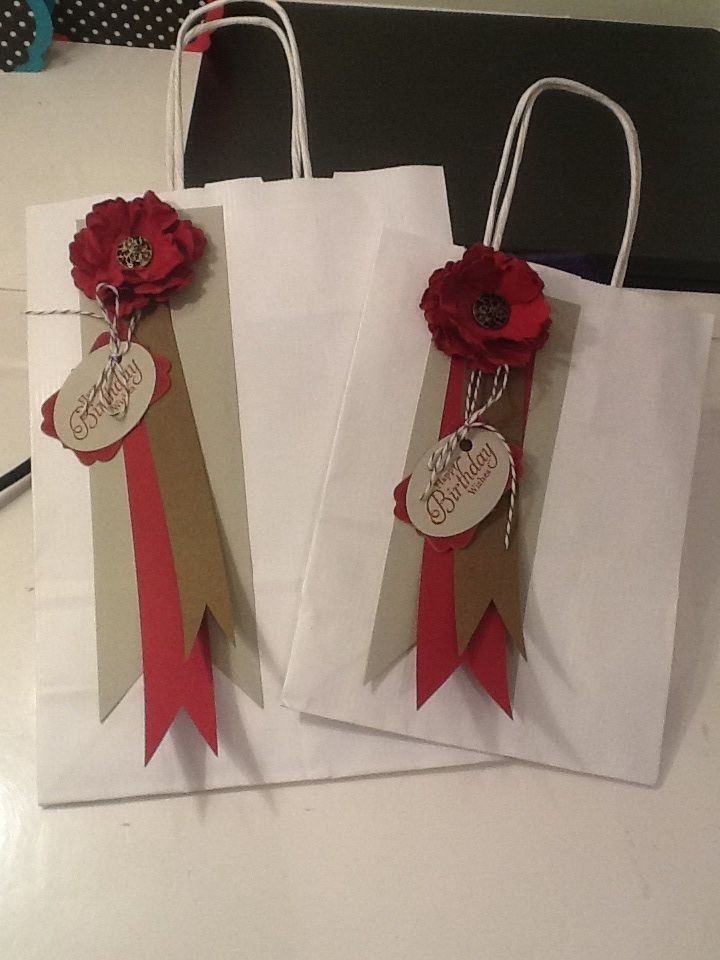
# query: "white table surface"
[507,862]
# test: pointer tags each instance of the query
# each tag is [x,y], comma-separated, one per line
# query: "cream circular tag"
[465,492]
[96,427]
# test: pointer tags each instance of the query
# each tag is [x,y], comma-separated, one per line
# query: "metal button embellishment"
[491,312]
[134,253]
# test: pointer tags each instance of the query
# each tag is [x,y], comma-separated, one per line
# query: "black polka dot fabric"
[17,32]
[130,23]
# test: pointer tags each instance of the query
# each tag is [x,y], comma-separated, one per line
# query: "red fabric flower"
[488,309]
[140,246]
[89,457]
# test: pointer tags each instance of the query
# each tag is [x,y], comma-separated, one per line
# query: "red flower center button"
[491,312]
[134,253]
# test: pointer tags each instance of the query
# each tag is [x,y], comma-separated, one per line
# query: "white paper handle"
[496,222]
[190,30]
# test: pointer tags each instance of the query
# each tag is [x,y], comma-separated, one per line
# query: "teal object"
[42,9]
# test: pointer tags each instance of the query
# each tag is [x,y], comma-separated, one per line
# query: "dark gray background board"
[388,87]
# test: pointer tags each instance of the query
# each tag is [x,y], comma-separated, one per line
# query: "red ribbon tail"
[171,681]
[486,658]
[192,688]
[199,674]
[437,653]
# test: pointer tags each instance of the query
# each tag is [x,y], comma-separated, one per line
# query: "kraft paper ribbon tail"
[172,681]
[192,523]
[486,658]
[437,648]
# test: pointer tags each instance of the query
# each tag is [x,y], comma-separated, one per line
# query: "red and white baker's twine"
[441,457]
[118,347]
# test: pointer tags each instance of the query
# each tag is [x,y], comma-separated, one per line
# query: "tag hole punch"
[465,445]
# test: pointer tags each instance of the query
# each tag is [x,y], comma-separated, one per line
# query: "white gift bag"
[608,474]
[299,258]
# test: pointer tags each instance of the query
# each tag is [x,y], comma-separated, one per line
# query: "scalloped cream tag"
[465,492]
[86,427]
